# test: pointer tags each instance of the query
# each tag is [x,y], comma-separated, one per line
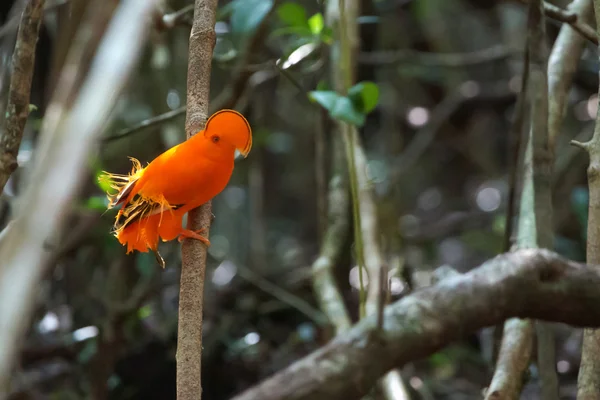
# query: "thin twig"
[169,21]
[542,163]
[425,136]
[228,98]
[13,23]
[325,287]
[283,295]
[515,145]
[407,56]
[344,72]
[571,18]
[17,109]
[147,123]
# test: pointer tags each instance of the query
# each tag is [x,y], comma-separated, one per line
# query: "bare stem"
[571,18]
[17,109]
[364,210]
[346,77]
[542,163]
[535,227]
[588,385]
[328,295]
[193,252]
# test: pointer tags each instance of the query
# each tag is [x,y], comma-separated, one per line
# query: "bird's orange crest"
[155,198]
[231,126]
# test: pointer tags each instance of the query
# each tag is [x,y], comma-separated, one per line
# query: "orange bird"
[154,199]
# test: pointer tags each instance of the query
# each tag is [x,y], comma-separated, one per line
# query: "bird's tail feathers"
[123,184]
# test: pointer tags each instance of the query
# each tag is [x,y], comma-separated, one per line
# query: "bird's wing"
[140,207]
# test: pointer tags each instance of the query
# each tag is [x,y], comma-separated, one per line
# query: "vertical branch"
[321,173]
[588,384]
[542,180]
[66,142]
[328,295]
[347,32]
[535,227]
[17,109]
[364,210]
[562,65]
[514,354]
[193,252]
[515,147]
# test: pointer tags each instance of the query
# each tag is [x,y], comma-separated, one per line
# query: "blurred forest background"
[436,138]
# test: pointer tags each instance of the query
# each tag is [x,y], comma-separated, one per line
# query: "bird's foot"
[186,233]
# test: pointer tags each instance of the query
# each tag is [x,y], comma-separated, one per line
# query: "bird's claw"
[193,234]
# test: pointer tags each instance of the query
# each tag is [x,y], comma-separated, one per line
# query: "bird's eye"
[215,139]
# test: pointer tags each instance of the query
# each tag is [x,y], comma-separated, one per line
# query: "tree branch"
[450,60]
[571,18]
[193,252]
[562,65]
[366,231]
[535,222]
[17,109]
[543,162]
[159,119]
[67,137]
[13,23]
[528,283]
[325,287]
[588,385]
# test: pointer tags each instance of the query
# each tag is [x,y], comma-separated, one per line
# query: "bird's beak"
[246,150]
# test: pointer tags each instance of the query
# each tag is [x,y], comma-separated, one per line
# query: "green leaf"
[327,35]
[248,14]
[365,96]
[292,14]
[344,110]
[292,30]
[144,312]
[316,23]
[32,107]
[339,107]
[96,166]
[322,85]
[96,203]
[326,98]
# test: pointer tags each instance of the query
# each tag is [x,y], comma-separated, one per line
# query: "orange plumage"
[154,199]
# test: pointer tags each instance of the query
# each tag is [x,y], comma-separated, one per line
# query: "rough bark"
[193,252]
[588,384]
[17,109]
[528,283]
